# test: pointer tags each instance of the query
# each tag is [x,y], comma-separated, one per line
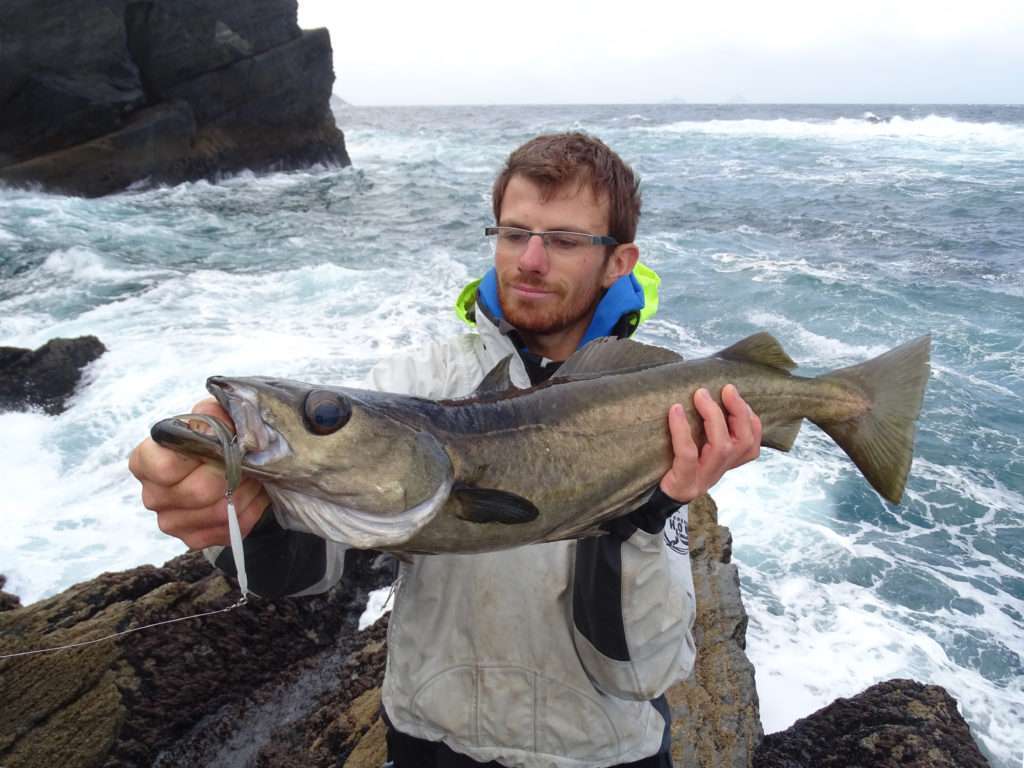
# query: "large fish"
[507,466]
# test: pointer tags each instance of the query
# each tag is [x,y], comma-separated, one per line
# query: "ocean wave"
[774,267]
[933,127]
[83,264]
[823,350]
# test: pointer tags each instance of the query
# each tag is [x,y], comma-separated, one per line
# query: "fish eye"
[326,412]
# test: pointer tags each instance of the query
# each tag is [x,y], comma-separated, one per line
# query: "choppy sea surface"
[841,236]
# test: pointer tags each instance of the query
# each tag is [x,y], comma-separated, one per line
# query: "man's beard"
[549,319]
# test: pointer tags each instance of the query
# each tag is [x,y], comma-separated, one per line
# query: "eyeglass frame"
[607,240]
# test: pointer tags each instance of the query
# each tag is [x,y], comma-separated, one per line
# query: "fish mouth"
[261,445]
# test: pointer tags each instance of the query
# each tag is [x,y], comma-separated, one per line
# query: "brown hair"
[554,160]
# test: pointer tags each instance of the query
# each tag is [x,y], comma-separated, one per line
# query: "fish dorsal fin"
[609,355]
[497,379]
[761,348]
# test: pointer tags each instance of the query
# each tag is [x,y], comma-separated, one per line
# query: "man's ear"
[621,262]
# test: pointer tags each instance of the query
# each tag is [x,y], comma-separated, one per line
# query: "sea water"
[841,236]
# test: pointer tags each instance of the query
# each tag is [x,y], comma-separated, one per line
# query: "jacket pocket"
[571,723]
[507,711]
[448,703]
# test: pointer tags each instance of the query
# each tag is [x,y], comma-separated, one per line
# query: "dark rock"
[97,96]
[154,145]
[898,723]
[65,74]
[173,42]
[46,377]
[268,110]
[49,112]
[8,602]
[144,697]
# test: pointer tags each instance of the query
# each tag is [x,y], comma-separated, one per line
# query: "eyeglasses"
[513,240]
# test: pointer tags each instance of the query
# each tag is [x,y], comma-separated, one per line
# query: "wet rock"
[47,377]
[292,682]
[97,96]
[345,727]
[8,602]
[146,697]
[897,723]
[715,716]
[153,144]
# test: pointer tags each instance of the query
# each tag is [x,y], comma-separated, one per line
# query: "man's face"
[544,295]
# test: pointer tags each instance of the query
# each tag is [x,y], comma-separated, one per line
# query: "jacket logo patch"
[675,533]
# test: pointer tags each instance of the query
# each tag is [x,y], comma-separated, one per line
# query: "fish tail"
[881,439]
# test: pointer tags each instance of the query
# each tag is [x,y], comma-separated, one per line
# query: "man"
[546,655]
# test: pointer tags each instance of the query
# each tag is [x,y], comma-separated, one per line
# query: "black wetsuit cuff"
[650,517]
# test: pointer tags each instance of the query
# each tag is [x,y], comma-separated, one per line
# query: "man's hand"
[733,438]
[188,496]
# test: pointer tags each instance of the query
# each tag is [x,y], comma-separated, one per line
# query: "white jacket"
[545,656]
[502,656]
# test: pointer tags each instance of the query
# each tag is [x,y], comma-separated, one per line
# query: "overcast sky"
[554,51]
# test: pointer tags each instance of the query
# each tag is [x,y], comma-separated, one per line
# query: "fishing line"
[232,453]
[237,604]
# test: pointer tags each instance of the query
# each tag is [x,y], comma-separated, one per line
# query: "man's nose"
[535,256]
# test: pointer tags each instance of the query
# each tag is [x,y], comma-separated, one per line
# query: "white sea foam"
[82,264]
[813,347]
[377,604]
[73,499]
[773,267]
[810,639]
[934,128]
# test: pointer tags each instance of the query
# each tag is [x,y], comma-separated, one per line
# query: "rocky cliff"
[97,95]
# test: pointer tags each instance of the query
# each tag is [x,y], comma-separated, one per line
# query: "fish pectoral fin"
[781,436]
[761,348]
[489,505]
[609,355]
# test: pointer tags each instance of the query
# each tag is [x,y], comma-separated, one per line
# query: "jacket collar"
[629,301]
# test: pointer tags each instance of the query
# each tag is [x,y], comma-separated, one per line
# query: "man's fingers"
[151,463]
[679,429]
[201,527]
[186,524]
[204,486]
[715,428]
[739,415]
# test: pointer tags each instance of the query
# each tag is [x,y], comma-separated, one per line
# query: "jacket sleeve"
[281,562]
[633,606]
[451,368]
